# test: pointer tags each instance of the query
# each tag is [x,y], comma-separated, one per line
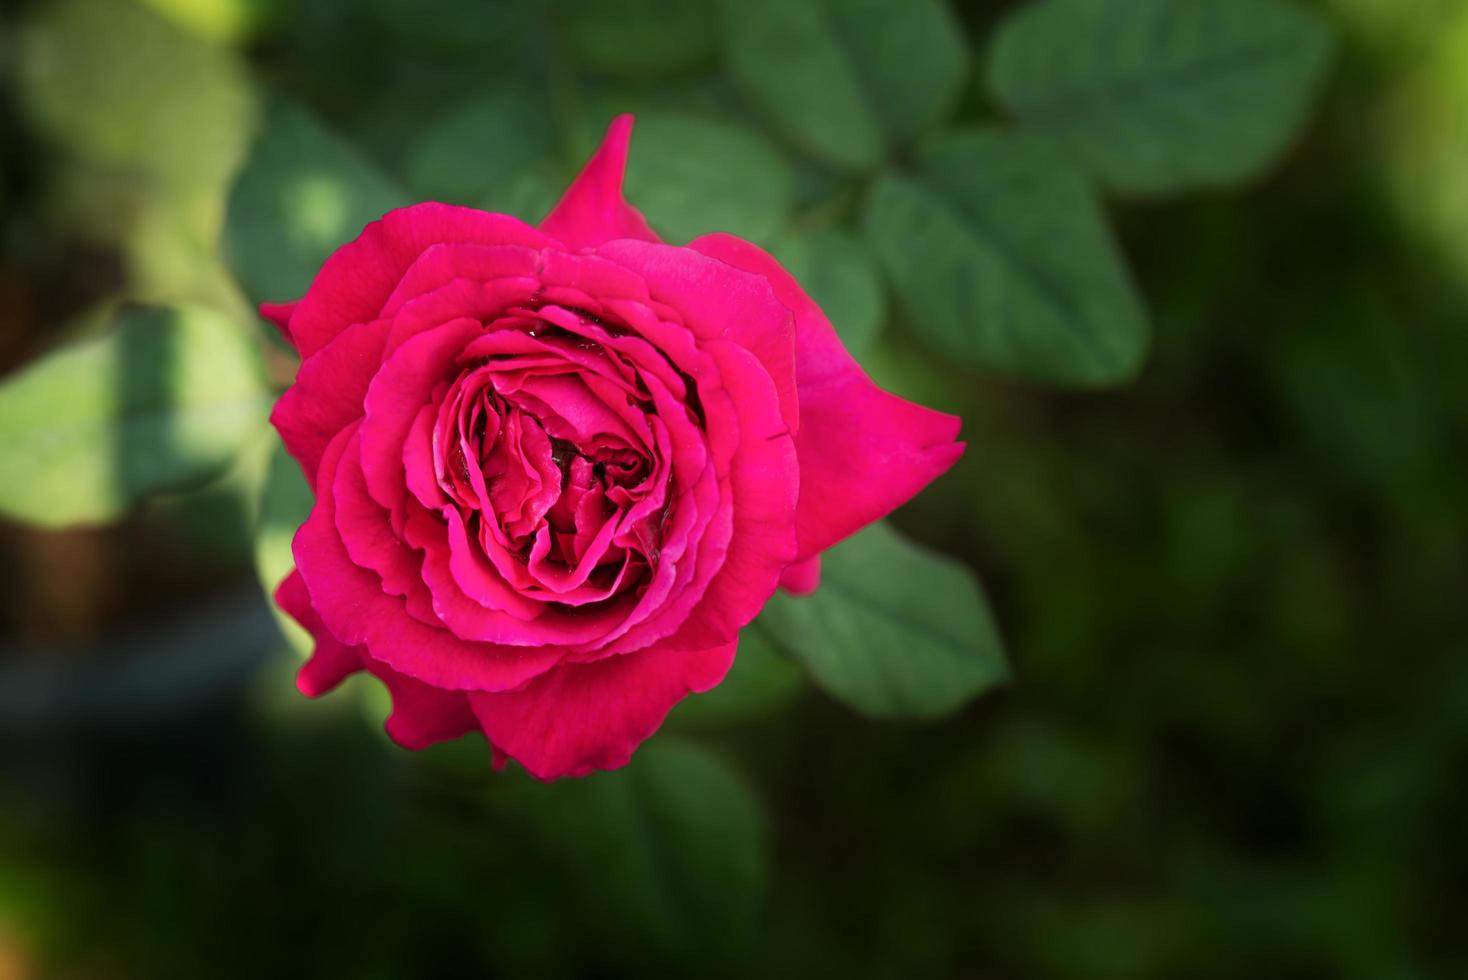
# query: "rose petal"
[421,715]
[863,451]
[280,315]
[765,478]
[403,385]
[327,394]
[581,717]
[357,279]
[720,300]
[331,661]
[802,577]
[593,210]
[354,608]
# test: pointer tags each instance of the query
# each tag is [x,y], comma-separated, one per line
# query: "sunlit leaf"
[1002,257]
[303,193]
[894,631]
[1159,96]
[116,83]
[285,503]
[220,20]
[164,399]
[691,176]
[841,277]
[846,80]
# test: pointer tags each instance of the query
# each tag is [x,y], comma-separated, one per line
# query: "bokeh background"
[1232,590]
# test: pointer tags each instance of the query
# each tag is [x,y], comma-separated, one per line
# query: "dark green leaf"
[303,194]
[839,275]
[640,37]
[846,79]
[671,848]
[164,399]
[528,195]
[894,630]
[1002,256]
[691,176]
[1159,96]
[480,145]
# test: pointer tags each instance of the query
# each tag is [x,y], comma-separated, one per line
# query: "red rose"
[558,469]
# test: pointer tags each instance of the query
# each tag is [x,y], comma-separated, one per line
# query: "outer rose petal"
[328,392]
[593,209]
[421,715]
[280,315]
[863,451]
[331,661]
[803,577]
[585,716]
[356,281]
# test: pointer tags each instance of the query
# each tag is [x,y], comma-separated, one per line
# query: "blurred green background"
[1232,589]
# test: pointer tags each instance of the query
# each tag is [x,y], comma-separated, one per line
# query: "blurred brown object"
[17,320]
[14,961]
[68,586]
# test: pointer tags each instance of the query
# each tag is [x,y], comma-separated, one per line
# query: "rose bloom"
[557,469]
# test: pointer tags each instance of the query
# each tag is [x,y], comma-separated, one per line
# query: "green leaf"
[846,80]
[894,631]
[302,194]
[528,195]
[1160,96]
[285,503]
[166,398]
[640,37]
[117,84]
[1001,255]
[672,849]
[480,145]
[691,176]
[760,682]
[840,276]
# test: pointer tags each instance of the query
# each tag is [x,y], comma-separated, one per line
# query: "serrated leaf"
[691,176]
[894,631]
[303,194]
[1160,96]
[480,145]
[640,37]
[285,503]
[841,277]
[164,399]
[846,79]
[1002,257]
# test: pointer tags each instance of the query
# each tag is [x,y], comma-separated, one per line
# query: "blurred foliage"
[165,398]
[1232,591]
